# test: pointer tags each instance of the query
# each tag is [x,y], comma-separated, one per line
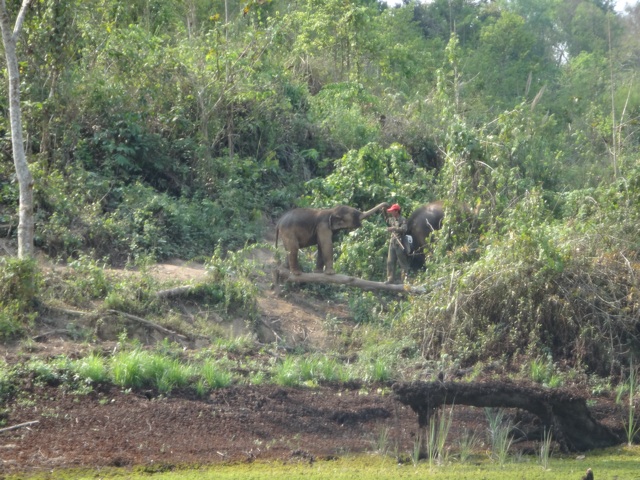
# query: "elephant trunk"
[368,213]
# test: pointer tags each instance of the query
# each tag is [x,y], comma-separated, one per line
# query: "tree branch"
[150,324]
[19,19]
[20,425]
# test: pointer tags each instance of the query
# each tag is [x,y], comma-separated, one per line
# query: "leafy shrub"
[133,294]
[363,252]
[338,108]
[7,380]
[234,274]
[83,281]
[20,283]
[82,211]
[363,307]
[380,174]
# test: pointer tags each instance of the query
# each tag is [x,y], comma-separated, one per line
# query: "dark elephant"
[304,227]
[423,221]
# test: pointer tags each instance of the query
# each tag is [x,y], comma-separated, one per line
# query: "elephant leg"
[325,257]
[294,266]
[319,261]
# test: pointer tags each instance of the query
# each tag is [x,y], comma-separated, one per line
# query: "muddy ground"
[109,427]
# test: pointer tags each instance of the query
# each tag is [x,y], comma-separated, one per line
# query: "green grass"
[619,463]
[92,368]
[298,370]
[215,375]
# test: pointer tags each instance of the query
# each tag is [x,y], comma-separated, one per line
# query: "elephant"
[304,227]
[423,221]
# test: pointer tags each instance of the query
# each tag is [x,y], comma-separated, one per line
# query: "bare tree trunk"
[25,179]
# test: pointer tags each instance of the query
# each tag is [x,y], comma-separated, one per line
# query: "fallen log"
[561,412]
[283,275]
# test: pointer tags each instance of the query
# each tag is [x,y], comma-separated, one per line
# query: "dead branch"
[69,311]
[283,275]
[20,425]
[150,324]
[42,336]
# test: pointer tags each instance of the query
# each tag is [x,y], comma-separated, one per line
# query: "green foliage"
[533,277]
[92,368]
[500,436]
[20,283]
[7,380]
[436,440]
[545,449]
[19,280]
[234,275]
[83,281]
[294,371]
[137,368]
[630,386]
[543,372]
[133,294]
[371,175]
[363,307]
[339,109]
[213,375]
[156,130]
[505,56]
[363,253]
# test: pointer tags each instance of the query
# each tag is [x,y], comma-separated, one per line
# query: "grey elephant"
[423,221]
[428,218]
[304,227]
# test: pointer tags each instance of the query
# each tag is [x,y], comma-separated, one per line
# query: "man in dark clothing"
[397,254]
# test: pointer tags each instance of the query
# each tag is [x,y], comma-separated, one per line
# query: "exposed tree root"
[564,413]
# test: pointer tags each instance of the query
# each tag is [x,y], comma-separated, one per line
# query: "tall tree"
[25,179]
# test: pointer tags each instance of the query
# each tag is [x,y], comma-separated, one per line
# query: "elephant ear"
[335,219]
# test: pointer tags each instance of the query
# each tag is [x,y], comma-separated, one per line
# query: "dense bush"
[19,286]
[538,288]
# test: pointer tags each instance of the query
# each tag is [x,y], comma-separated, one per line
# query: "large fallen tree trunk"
[563,413]
[283,275]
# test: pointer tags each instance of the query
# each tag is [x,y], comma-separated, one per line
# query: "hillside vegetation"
[160,129]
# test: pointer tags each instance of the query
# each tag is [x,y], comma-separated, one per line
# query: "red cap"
[394,208]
